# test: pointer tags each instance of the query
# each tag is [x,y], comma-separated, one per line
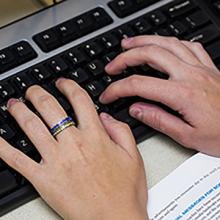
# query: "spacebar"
[7,182]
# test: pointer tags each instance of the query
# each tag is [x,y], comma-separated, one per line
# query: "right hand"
[193,89]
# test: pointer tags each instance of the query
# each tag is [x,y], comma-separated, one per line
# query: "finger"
[160,120]
[200,53]
[153,55]
[33,127]
[119,132]
[19,161]
[81,102]
[172,44]
[50,110]
[164,91]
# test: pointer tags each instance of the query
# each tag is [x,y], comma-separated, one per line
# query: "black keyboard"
[85,62]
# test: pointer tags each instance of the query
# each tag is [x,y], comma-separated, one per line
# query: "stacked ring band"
[62,125]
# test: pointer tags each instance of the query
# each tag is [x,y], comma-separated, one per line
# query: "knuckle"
[30,123]
[198,45]
[45,100]
[156,121]
[125,126]
[134,80]
[80,94]
[18,160]
[174,40]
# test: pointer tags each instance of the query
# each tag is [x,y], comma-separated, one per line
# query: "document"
[191,192]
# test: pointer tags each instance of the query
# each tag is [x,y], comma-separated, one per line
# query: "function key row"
[73,29]
[123,8]
[16,55]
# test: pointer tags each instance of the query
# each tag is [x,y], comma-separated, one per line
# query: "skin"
[193,90]
[94,170]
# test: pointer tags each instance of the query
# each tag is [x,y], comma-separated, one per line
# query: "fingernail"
[105,116]
[60,80]
[136,112]
[108,66]
[101,98]
[11,102]
[127,40]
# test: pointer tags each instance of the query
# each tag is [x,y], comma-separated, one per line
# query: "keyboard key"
[95,88]
[110,41]
[123,8]
[157,18]
[197,19]
[205,35]
[75,57]
[100,17]
[57,66]
[84,23]
[40,73]
[4,111]
[72,29]
[22,82]
[124,32]
[24,51]
[141,26]
[79,75]
[6,57]
[6,132]
[67,31]
[93,49]
[96,67]
[16,55]
[109,57]
[178,9]
[47,40]
[6,91]
[177,28]
[25,145]
[7,183]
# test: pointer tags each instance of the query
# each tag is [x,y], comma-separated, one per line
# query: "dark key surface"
[16,55]
[179,8]
[72,29]
[205,35]
[7,182]
[214,50]
[123,8]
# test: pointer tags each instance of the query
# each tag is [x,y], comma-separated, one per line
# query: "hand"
[193,90]
[92,171]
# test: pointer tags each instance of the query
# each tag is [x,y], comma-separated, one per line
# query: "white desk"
[161,155]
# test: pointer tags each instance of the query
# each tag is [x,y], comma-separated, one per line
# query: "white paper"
[191,192]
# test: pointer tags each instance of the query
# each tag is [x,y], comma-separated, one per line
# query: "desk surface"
[161,155]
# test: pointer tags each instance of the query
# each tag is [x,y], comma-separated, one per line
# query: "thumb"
[119,132]
[159,119]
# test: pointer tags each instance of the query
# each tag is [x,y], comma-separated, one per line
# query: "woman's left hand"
[92,171]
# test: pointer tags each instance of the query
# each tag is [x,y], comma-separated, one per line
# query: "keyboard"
[77,44]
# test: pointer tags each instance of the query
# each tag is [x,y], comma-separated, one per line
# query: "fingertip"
[126,42]
[11,102]
[105,116]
